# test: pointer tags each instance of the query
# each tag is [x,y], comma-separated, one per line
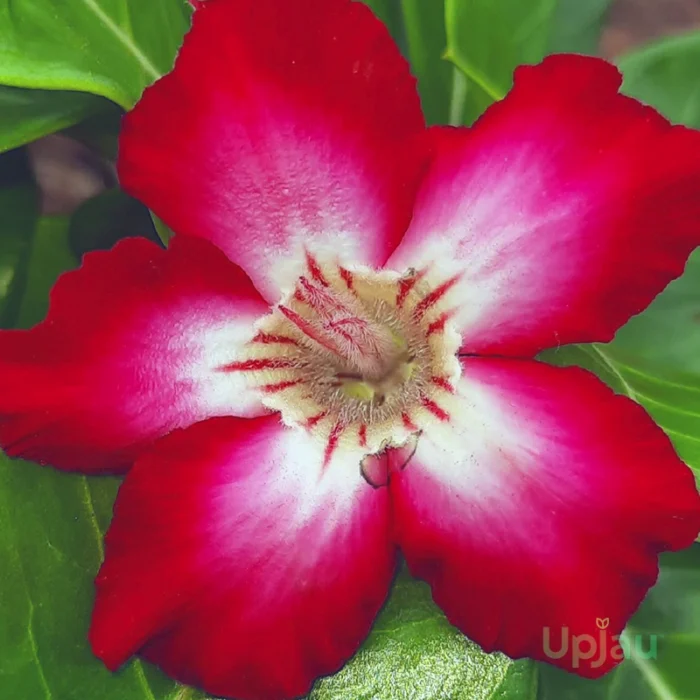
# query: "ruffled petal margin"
[283,125]
[243,560]
[563,212]
[135,344]
[537,512]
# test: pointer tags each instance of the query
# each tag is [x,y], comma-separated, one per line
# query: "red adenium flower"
[333,360]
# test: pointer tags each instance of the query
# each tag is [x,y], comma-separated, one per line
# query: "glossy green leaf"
[672,398]
[520,683]
[50,549]
[487,39]
[665,75]
[112,48]
[26,115]
[671,614]
[426,42]
[668,332]
[413,652]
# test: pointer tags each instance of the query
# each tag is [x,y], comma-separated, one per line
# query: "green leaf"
[26,115]
[487,39]
[426,41]
[413,652]
[577,26]
[672,398]
[19,204]
[112,48]
[668,332]
[520,683]
[671,612]
[664,75]
[50,550]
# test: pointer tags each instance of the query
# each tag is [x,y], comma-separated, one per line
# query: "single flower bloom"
[333,361]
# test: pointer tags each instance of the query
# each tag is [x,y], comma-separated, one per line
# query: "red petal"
[241,564]
[567,209]
[541,508]
[132,348]
[283,125]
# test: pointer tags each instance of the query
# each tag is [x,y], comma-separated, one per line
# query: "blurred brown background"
[634,22]
[68,174]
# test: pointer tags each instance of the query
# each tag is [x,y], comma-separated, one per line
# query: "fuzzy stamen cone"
[359,352]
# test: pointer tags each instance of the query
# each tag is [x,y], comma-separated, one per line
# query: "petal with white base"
[539,507]
[244,558]
[135,344]
[564,211]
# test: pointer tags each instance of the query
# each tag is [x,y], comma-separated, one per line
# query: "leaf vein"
[124,38]
[613,368]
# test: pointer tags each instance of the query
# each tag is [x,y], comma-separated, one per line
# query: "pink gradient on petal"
[544,503]
[133,346]
[242,561]
[312,140]
[566,209]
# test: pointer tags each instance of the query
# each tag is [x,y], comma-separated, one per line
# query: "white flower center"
[355,355]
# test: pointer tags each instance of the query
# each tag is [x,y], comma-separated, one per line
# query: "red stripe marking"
[437,411]
[435,296]
[269,339]
[347,277]
[443,384]
[332,443]
[406,284]
[323,302]
[280,386]
[408,423]
[438,326]
[307,328]
[255,365]
[363,435]
[315,269]
[315,420]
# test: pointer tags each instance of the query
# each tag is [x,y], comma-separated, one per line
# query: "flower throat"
[353,352]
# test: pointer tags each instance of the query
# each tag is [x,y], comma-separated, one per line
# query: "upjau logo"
[586,647]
